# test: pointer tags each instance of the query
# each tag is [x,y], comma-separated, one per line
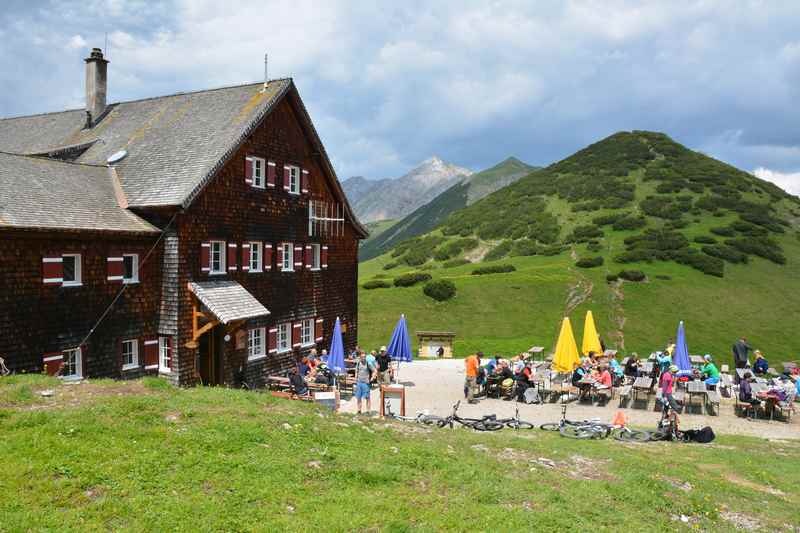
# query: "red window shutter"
[248,170]
[318,330]
[52,270]
[270,173]
[245,256]
[151,354]
[298,257]
[205,257]
[286,181]
[308,259]
[296,334]
[280,256]
[304,181]
[232,256]
[267,257]
[273,340]
[324,257]
[115,269]
[52,363]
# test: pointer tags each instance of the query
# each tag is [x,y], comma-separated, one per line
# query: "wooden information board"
[395,396]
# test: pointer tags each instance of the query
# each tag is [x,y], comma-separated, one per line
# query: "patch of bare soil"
[618,313]
[72,395]
[577,467]
[578,293]
[741,521]
[476,254]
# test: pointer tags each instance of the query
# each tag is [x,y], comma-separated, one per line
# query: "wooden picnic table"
[696,359]
[696,388]
[789,366]
[642,383]
[279,382]
[647,367]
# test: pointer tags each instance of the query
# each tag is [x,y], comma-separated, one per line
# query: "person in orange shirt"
[471,364]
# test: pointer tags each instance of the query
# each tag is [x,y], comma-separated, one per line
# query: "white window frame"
[307,332]
[283,337]
[287,264]
[294,179]
[260,177]
[135,277]
[259,350]
[78,364]
[223,255]
[163,355]
[78,281]
[256,258]
[316,256]
[134,343]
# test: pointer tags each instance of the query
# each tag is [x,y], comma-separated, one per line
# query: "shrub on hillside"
[749,229]
[677,223]
[632,275]
[551,250]
[389,266]
[611,278]
[584,233]
[493,269]
[440,290]
[589,262]
[594,246]
[766,248]
[705,239]
[499,251]
[725,252]
[606,220]
[628,223]
[455,263]
[524,247]
[411,278]
[376,284]
[713,266]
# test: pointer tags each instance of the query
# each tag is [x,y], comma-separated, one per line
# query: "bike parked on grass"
[577,429]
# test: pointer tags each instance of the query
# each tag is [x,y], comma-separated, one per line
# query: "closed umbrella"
[566,358]
[399,348]
[591,340]
[336,353]
[680,356]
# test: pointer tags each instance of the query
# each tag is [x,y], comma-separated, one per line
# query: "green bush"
[584,233]
[594,246]
[725,252]
[766,248]
[551,250]
[724,231]
[411,278]
[377,284]
[440,290]
[632,275]
[628,223]
[713,266]
[589,262]
[499,251]
[606,220]
[493,269]
[455,263]
[389,266]
[524,247]
[705,239]
[611,278]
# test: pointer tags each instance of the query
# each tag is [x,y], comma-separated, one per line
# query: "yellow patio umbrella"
[591,340]
[566,358]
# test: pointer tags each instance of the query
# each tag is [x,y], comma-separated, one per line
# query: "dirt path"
[617,315]
[438,384]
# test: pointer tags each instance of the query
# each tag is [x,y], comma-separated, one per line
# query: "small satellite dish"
[117,157]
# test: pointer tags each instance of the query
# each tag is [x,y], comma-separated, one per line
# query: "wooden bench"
[712,401]
[724,369]
[625,394]
[785,409]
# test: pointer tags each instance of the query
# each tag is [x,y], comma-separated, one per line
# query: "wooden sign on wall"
[241,339]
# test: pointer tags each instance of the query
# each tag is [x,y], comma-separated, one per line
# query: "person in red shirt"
[471,365]
[665,383]
[604,383]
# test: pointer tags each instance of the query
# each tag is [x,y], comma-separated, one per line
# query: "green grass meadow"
[142,456]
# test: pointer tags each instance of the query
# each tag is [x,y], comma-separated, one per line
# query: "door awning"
[227,300]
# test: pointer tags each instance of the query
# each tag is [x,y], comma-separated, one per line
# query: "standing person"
[665,383]
[372,356]
[365,373]
[740,349]
[709,371]
[471,365]
[384,370]
[440,352]
[670,349]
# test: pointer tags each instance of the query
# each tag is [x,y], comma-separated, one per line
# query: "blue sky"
[389,84]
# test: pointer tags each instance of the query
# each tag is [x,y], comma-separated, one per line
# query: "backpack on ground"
[704,435]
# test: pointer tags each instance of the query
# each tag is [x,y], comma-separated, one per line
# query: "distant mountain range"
[384,199]
[433,213]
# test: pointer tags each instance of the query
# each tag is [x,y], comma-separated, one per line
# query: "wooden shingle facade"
[200,236]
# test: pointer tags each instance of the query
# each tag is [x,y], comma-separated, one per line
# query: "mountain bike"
[516,423]
[667,428]
[577,429]
[626,434]
[421,417]
[486,423]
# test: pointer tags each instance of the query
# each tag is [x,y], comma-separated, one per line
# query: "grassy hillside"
[143,456]
[718,248]
[430,215]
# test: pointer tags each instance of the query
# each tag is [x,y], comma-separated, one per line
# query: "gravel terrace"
[435,385]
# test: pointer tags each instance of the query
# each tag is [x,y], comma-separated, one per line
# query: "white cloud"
[788,181]
[76,42]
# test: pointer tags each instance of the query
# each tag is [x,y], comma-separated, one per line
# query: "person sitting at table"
[760,366]
[523,379]
[666,382]
[632,366]
[604,382]
[303,367]
[299,386]
[324,375]
[746,390]
[583,371]
[324,356]
[709,372]
[617,371]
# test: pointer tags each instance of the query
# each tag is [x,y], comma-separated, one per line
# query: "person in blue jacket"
[760,366]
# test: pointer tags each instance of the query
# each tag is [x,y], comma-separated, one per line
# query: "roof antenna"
[266,71]
[105,47]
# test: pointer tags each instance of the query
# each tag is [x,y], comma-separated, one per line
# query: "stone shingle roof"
[227,300]
[47,194]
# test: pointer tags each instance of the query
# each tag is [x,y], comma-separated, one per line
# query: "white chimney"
[96,82]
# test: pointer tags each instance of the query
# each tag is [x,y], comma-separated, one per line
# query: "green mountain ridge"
[430,215]
[716,247]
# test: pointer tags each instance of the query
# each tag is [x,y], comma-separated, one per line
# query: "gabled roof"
[175,144]
[40,193]
[227,300]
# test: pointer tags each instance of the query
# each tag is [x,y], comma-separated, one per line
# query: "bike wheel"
[600,431]
[519,424]
[430,420]
[573,432]
[631,435]
[658,435]
[487,425]
[550,426]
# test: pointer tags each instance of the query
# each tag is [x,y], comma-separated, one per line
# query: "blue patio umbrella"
[680,357]
[336,353]
[399,347]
